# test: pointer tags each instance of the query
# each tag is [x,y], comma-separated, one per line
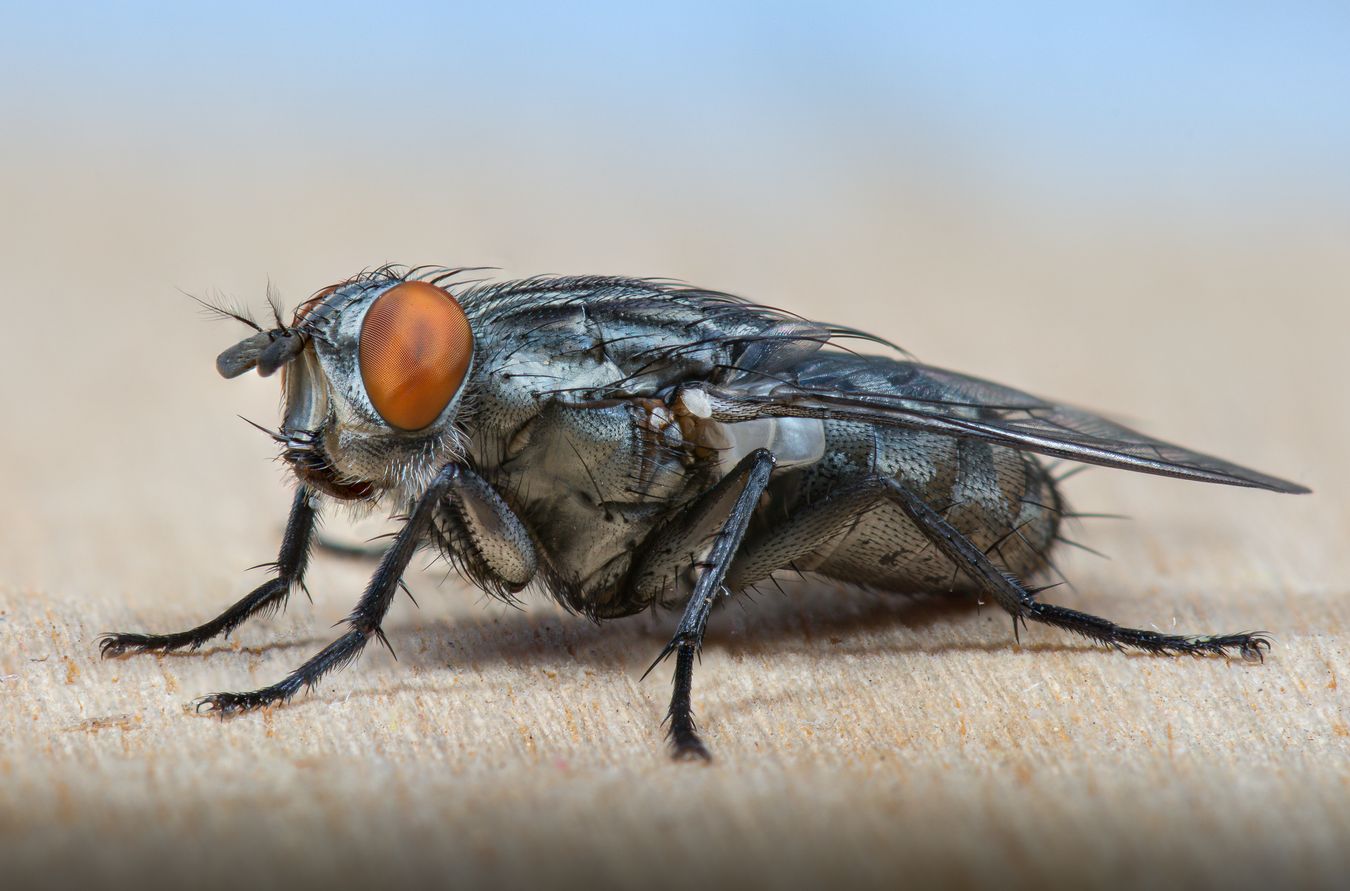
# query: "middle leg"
[681,542]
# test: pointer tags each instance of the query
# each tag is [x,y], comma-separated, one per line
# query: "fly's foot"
[691,750]
[1256,646]
[1249,646]
[685,744]
[268,596]
[1252,647]
[117,644]
[227,704]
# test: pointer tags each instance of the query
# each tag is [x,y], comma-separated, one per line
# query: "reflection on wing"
[906,394]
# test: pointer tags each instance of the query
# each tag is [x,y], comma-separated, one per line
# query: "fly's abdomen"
[1002,499]
[1006,502]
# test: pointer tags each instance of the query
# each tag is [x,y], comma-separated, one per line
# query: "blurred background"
[1086,202]
[1141,207]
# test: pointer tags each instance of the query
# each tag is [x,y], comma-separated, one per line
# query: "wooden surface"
[857,737]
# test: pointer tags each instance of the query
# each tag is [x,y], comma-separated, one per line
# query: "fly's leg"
[270,595]
[482,536]
[347,551]
[363,622]
[811,530]
[493,537]
[1021,603]
[684,539]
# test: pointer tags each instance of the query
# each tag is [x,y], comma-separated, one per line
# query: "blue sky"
[1193,95]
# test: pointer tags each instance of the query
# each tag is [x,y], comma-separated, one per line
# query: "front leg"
[723,512]
[483,537]
[455,492]
[270,595]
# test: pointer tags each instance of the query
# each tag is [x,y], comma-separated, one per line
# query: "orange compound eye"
[414,351]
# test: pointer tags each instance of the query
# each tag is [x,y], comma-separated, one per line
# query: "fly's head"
[374,372]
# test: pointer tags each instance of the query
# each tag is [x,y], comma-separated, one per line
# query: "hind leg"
[813,531]
[1020,602]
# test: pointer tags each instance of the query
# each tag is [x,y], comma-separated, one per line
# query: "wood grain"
[859,740]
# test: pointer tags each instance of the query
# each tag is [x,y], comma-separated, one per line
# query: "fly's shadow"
[807,617]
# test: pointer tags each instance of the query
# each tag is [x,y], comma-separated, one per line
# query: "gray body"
[624,443]
[593,482]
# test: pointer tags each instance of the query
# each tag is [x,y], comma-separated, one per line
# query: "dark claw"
[126,643]
[221,704]
[685,743]
[694,751]
[686,746]
[111,646]
[227,704]
[1255,647]
[207,705]
[1251,646]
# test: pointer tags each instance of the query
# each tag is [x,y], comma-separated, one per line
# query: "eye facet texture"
[414,351]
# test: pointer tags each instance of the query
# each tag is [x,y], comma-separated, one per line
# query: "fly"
[624,444]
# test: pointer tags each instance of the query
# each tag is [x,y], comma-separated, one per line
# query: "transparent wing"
[918,397]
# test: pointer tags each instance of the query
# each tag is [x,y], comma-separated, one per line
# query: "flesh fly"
[623,444]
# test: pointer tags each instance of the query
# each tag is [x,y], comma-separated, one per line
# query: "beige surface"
[856,736]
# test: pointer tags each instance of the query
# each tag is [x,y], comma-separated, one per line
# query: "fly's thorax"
[506,394]
[524,371]
[592,483]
